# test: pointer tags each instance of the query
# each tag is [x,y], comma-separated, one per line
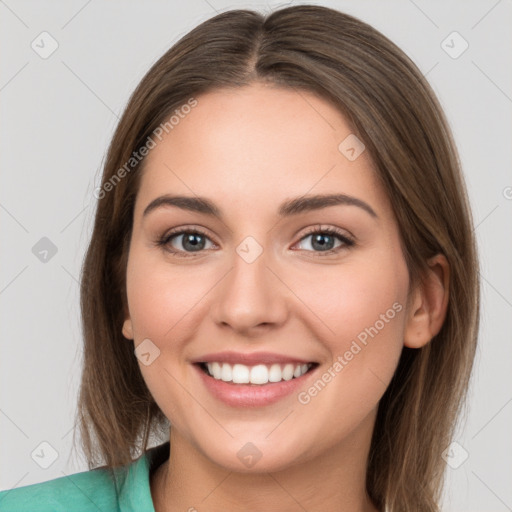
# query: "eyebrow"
[286,209]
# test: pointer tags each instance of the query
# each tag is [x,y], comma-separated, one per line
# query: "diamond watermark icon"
[454,45]
[351,147]
[44,250]
[249,249]
[44,45]
[455,455]
[147,352]
[44,455]
[249,455]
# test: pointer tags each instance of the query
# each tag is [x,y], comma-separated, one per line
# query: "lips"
[253,379]
[252,394]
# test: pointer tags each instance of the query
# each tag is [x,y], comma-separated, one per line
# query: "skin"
[248,150]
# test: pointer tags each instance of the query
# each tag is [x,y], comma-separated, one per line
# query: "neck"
[334,481]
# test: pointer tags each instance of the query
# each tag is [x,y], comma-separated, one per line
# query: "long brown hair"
[393,110]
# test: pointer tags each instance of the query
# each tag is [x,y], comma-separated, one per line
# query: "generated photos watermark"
[361,341]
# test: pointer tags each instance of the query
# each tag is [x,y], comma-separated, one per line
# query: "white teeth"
[288,372]
[227,373]
[215,369]
[240,374]
[274,374]
[259,374]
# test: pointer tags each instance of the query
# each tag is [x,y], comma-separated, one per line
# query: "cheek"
[363,304]
[159,297]
[163,303]
[351,295]
[355,299]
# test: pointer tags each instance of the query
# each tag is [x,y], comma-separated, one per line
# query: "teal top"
[93,490]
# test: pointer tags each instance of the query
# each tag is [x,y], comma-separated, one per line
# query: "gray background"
[58,115]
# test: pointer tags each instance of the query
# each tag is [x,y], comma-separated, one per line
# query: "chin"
[257,456]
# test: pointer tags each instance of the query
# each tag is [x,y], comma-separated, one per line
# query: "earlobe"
[128,329]
[429,305]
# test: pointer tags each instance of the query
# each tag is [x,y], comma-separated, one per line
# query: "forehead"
[257,145]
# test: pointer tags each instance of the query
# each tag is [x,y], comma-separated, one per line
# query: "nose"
[251,297]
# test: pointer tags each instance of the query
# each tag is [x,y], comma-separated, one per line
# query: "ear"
[128,329]
[429,304]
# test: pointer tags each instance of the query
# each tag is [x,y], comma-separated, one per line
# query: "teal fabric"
[93,490]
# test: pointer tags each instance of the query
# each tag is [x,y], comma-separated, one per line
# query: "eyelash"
[165,239]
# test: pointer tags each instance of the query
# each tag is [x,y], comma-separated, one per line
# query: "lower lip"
[252,395]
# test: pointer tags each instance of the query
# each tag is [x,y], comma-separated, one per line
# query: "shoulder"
[121,490]
[90,490]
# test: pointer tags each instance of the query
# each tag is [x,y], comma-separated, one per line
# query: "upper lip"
[250,358]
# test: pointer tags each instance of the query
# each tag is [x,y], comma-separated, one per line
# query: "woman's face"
[255,280]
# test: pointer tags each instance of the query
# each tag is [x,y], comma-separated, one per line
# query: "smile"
[258,385]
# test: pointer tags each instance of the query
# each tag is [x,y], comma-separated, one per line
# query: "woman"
[282,277]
